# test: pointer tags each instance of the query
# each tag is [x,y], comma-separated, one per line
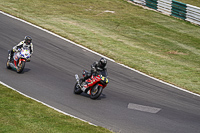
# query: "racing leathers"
[19,46]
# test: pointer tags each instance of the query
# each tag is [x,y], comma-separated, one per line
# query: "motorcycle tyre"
[8,64]
[78,90]
[98,93]
[21,68]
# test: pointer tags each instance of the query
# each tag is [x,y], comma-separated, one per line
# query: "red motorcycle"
[96,84]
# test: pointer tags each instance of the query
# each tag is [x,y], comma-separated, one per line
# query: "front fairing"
[99,79]
[25,53]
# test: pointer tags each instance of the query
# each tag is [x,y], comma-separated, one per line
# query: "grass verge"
[191,2]
[19,114]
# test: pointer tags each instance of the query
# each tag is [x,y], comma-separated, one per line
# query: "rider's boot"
[11,55]
[84,88]
[88,92]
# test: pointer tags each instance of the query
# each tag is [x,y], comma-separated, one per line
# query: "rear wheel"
[77,89]
[96,91]
[8,64]
[20,67]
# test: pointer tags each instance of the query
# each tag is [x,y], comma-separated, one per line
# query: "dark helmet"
[28,40]
[102,62]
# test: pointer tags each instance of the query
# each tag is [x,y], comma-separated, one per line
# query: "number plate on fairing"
[104,79]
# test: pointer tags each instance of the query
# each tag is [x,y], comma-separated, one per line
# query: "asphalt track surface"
[49,77]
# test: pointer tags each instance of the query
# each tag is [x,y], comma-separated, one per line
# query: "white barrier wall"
[193,14]
[141,2]
[174,8]
[164,6]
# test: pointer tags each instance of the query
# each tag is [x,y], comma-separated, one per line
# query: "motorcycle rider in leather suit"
[96,68]
[26,42]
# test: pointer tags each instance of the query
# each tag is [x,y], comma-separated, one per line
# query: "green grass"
[191,2]
[158,45]
[19,114]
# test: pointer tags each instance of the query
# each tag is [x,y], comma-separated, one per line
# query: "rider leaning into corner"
[27,42]
[96,68]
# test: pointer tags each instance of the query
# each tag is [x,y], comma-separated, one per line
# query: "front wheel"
[20,67]
[96,91]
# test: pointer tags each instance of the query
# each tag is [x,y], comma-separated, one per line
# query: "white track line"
[90,51]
